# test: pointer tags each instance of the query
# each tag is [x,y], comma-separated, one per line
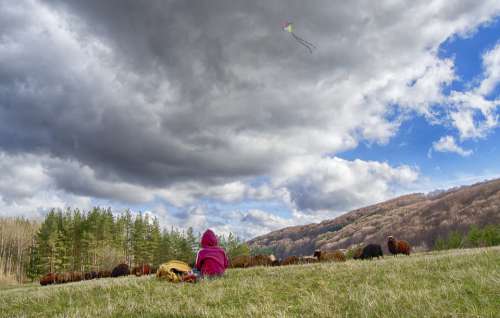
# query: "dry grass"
[459,283]
[7,281]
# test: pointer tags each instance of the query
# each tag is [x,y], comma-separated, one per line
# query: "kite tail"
[304,43]
[302,40]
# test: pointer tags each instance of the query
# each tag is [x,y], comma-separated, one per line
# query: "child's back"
[211,259]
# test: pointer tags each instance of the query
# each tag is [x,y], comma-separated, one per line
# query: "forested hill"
[421,219]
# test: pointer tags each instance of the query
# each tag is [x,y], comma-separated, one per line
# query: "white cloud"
[333,185]
[472,113]
[447,144]
[251,223]
[26,189]
[491,65]
[21,177]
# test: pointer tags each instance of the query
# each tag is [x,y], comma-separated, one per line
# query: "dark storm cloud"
[193,46]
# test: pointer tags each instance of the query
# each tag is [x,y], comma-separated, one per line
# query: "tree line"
[74,240]
[475,237]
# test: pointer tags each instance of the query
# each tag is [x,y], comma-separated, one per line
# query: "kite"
[288,26]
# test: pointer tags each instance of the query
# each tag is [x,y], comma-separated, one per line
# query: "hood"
[208,239]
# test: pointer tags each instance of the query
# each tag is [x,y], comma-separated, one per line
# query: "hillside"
[455,283]
[418,218]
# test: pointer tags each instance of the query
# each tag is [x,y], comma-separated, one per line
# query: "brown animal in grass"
[398,246]
[154,269]
[62,278]
[294,260]
[104,274]
[76,276]
[275,261]
[59,278]
[48,279]
[263,260]
[330,256]
[357,252]
[308,259]
[144,269]
[242,261]
[90,275]
[290,260]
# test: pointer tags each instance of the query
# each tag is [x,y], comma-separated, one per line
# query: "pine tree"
[155,243]
[45,240]
[234,246]
[76,236]
[165,248]
[60,259]
[138,240]
[193,241]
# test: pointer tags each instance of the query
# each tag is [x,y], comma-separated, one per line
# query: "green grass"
[455,283]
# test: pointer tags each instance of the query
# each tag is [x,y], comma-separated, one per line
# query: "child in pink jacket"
[211,259]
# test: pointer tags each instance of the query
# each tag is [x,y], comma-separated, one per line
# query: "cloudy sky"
[208,114]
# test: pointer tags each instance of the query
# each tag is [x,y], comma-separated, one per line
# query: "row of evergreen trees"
[73,240]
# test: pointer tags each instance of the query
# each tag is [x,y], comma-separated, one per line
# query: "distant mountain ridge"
[417,218]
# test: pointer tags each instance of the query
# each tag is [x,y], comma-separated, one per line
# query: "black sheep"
[370,251]
[90,275]
[120,270]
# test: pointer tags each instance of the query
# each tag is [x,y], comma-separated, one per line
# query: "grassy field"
[456,283]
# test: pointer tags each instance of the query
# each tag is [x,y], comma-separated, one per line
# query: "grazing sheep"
[103,274]
[59,278]
[242,261]
[120,270]
[144,269]
[90,275]
[76,276]
[308,259]
[398,246]
[370,251]
[290,260]
[325,256]
[293,260]
[356,252]
[275,261]
[137,271]
[48,279]
[263,260]
[62,278]
[154,269]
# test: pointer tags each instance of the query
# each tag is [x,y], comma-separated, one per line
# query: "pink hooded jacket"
[211,259]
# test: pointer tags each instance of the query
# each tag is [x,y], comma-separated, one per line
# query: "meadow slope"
[455,283]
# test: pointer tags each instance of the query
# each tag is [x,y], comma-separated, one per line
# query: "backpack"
[173,271]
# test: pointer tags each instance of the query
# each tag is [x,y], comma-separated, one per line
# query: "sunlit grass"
[458,283]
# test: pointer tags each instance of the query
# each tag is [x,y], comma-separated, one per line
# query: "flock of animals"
[119,270]
[369,251]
